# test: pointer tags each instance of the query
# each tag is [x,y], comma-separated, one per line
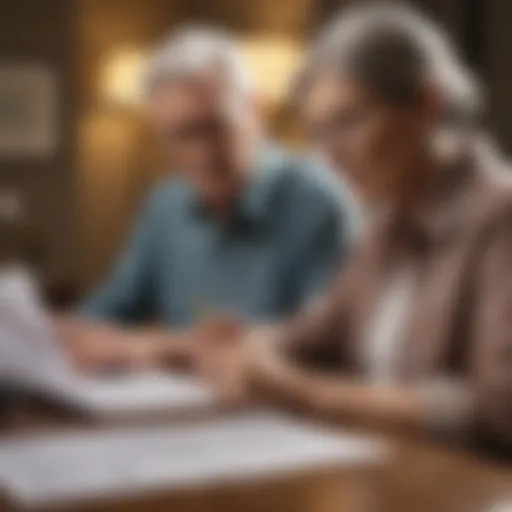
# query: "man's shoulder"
[167,188]
[167,194]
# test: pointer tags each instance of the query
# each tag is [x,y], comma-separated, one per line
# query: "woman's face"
[375,144]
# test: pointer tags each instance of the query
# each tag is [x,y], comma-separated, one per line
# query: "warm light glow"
[273,61]
[120,77]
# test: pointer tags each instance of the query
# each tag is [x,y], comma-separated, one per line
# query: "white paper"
[30,357]
[125,462]
[27,342]
[150,392]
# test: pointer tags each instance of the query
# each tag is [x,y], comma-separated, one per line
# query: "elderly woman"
[418,329]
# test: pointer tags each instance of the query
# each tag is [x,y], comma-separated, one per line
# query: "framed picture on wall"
[28,111]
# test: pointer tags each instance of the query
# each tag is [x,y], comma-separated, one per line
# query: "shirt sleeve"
[477,407]
[491,360]
[128,294]
[326,243]
[318,335]
[449,405]
[322,258]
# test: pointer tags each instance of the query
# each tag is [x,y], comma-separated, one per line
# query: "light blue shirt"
[287,237]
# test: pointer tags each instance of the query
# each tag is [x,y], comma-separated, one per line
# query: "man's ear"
[261,105]
[259,112]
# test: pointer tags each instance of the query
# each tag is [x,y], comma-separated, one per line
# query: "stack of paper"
[31,358]
[126,462]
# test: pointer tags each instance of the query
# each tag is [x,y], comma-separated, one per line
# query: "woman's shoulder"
[493,196]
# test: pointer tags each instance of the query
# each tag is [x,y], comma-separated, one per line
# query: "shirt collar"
[254,203]
[256,200]
[449,200]
[447,210]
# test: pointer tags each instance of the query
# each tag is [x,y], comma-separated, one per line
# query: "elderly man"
[241,229]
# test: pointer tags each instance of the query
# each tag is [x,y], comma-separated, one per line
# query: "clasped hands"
[214,349]
[238,361]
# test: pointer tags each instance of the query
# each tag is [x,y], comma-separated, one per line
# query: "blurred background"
[75,158]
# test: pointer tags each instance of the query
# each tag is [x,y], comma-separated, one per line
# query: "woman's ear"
[433,103]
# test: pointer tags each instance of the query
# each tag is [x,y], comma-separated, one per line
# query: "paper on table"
[136,394]
[27,341]
[126,462]
[30,357]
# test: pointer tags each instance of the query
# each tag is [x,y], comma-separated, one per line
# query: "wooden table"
[420,477]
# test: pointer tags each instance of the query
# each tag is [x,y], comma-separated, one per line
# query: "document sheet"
[124,462]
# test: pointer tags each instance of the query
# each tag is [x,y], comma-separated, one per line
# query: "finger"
[221,329]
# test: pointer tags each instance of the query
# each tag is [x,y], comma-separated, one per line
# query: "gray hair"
[196,52]
[394,51]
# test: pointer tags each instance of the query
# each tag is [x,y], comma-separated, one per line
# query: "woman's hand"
[222,358]
[241,362]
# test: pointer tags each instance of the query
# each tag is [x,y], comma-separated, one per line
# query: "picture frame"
[28,111]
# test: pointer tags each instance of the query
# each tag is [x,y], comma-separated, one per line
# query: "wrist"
[175,348]
[150,348]
[281,378]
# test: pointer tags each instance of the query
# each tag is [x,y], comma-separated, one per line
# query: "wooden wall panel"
[44,33]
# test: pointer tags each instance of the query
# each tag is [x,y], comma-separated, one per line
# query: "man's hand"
[99,347]
[124,351]
[93,347]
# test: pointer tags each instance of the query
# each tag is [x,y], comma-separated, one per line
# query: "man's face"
[207,133]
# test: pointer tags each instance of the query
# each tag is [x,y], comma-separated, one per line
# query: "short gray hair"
[194,52]
[394,50]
